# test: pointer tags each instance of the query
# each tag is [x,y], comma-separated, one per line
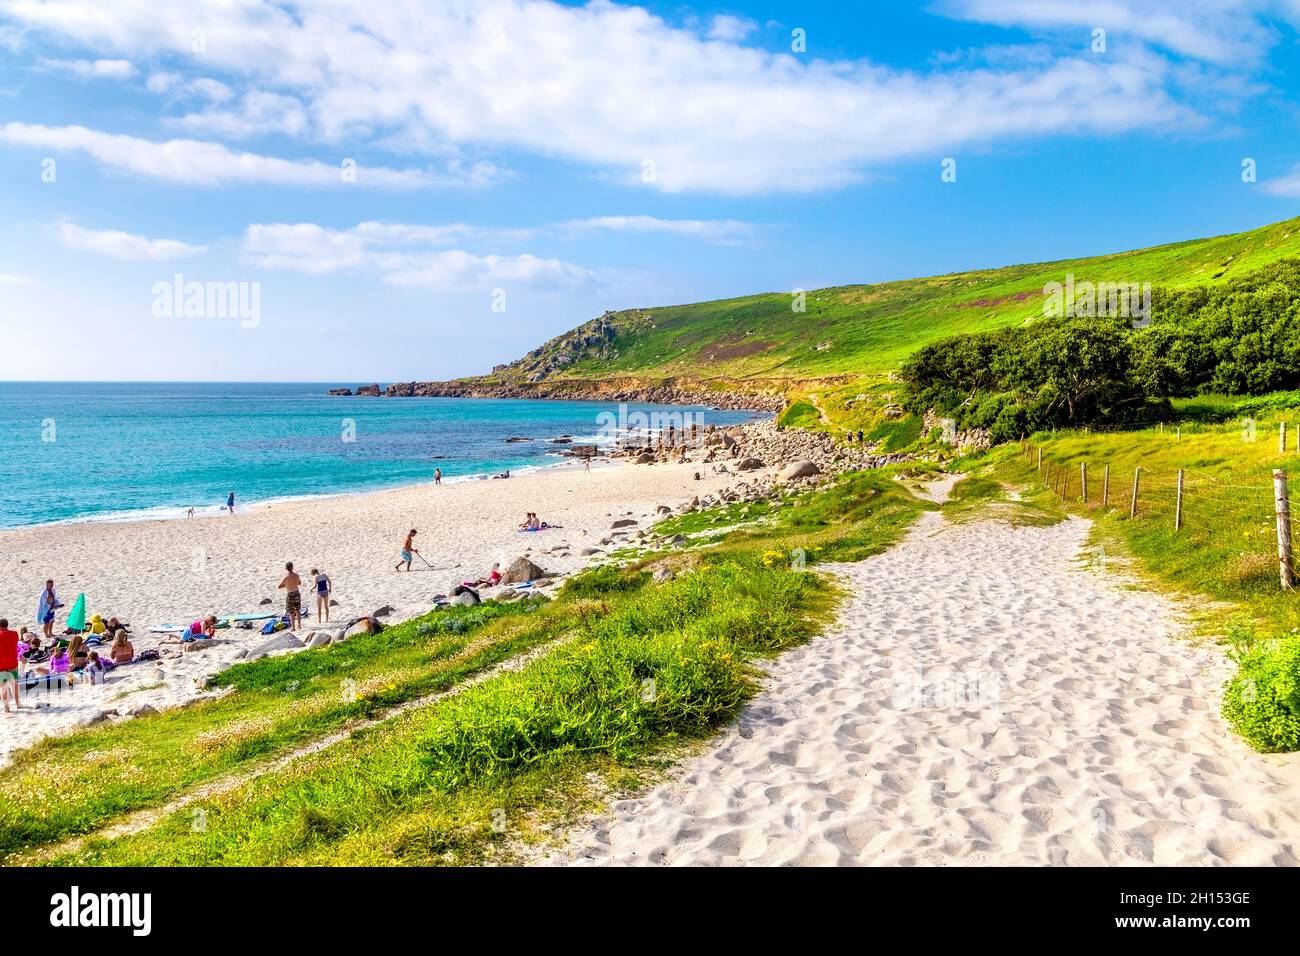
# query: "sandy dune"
[174,571]
[1059,718]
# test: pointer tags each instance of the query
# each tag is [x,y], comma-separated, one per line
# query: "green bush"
[1262,702]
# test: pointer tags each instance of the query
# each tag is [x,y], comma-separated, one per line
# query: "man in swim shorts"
[45,609]
[293,597]
[408,551]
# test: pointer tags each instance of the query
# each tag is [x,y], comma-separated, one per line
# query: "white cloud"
[124,245]
[1288,185]
[731,29]
[712,230]
[258,113]
[165,81]
[10,278]
[400,255]
[92,69]
[1219,31]
[198,163]
[613,86]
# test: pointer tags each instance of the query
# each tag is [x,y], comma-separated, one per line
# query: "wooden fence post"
[1283,503]
[1178,435]
[1133,507]
[1281,438]
[1105,487]
[1178,504]
[1083,481]
[1040,458]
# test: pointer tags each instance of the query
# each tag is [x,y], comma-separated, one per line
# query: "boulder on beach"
[645,458]
[749,464]
[465,598]
[280,641]
[384,611]
[365,625]
[624,523]
[520,570]
[800,469]
[319,638]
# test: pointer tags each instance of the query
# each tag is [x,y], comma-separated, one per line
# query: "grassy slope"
[867,330]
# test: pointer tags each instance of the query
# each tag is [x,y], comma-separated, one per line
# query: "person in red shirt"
[8,665]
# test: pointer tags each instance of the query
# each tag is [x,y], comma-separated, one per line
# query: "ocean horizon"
[120,451]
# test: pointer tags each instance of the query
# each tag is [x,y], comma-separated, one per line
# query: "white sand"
[1089,733]
[175,571]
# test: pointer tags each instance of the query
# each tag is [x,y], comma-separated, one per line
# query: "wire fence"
[1255,503]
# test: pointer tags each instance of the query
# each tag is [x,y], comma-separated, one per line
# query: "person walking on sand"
[437,476]
[46,608]
[292,596]
[323,589]
[230,502]
[586,463]
[8,665]
[408,551]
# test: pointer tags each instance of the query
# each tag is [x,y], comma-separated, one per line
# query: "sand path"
[1059,718]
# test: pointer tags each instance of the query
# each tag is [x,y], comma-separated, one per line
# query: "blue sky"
[520,166]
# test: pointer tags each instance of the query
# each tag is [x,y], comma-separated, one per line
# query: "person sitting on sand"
[493,578]
[77,653]
[409,550]
[291,582]
[9,673]
[96,668]
[114,625]
[122,651]
[527,523]
[97,625]
[58,663]
[323,589]
[35,653]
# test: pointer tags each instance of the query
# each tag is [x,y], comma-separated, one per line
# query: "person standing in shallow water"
[437,476]
[230,503]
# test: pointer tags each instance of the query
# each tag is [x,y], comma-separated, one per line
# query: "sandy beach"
[989,697]
[174,571]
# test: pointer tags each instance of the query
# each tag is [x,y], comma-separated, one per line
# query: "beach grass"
[70,785]
[651,668]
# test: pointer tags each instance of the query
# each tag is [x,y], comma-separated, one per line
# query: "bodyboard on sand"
[236,618]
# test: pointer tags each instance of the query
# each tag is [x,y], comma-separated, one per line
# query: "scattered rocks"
[624,523]
[749,464]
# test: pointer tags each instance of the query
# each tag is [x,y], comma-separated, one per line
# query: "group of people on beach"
[28,659]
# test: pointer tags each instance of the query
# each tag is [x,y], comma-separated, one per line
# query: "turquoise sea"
[106,451]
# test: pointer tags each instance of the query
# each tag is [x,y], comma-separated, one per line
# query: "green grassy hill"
[850,337]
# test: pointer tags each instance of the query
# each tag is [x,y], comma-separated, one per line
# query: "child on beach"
[323,589]
[408,551]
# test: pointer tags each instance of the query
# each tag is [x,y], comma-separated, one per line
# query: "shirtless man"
[293,597]
[408,551]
